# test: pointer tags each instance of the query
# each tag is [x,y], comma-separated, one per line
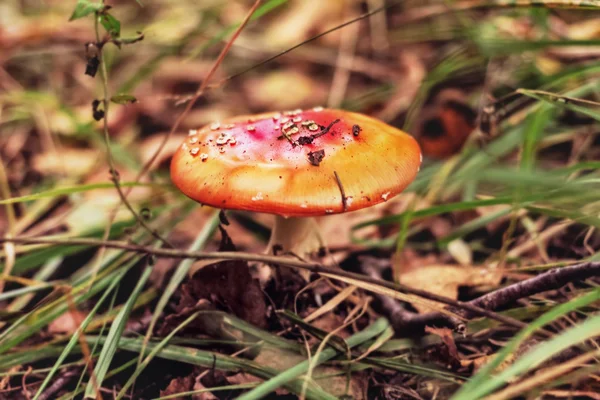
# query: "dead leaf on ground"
[449,356]
[179,385]
[446,124]
[227,285]
[443,279]
[67,322]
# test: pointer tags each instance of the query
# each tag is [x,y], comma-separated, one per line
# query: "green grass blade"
[114,334]
[484,382]
[159,346]
[80,330]
[274,383]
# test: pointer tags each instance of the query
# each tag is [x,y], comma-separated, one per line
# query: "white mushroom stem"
[296,235]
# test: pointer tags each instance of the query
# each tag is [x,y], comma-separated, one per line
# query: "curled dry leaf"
[446,124]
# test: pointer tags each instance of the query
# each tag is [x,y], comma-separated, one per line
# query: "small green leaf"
[85,8]
[111,24]
[123,99]
[128,40]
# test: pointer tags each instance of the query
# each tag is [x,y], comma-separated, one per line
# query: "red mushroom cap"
[296,163]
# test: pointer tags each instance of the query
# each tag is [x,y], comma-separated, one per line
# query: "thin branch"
[407,321]
[278,260]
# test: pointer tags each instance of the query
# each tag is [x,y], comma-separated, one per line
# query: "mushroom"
[297,165]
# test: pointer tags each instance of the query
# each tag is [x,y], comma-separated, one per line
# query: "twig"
[60,382]
[550,280]
[407,321]
[278,260]
[339,183]
[404,321]
[325,130]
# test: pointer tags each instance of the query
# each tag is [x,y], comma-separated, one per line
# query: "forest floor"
[480,280]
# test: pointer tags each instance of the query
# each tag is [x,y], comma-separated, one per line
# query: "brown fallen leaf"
[226,285]
[449,356]
[443,279]
[67,322]
[446,124]
[179,385]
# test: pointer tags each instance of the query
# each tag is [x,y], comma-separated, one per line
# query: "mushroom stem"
[295,235]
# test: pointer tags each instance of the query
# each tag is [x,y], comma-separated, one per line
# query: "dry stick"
[406,322]
[551,280]
[60,382]
[278,260]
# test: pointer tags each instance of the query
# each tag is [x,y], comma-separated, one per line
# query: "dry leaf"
[67,322]
[179,385]
[451,357]
[443,280]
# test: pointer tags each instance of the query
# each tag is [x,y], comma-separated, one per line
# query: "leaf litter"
[434,82]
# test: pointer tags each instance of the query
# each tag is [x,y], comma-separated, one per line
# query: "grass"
[518,177]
